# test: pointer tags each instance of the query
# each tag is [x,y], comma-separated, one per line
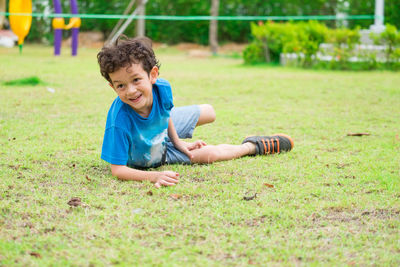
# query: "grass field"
[335,198]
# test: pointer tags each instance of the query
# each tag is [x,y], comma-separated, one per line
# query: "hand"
[166,178]
[196,145]
[187,147]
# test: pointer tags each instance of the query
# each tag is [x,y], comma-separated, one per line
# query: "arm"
[182,145]
[166,178]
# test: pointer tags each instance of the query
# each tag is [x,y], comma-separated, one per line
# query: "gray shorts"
[185,120]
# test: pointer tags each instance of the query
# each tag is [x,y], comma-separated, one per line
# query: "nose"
[131,89]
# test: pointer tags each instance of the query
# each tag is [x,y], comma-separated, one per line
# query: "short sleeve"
[165,92]
[115,146]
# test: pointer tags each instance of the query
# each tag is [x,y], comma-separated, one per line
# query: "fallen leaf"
[15,167]
[35,254]
[87,178]
[48,230]
[269,185]
[247,198]
[251,262]
[175,196]
[342,165]
[313,216]
[149,193]
[75,202]
[358,134]
[28,225]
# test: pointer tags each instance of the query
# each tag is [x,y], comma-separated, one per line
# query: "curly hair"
[125,52]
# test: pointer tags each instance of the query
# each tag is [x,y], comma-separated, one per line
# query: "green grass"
[335,201]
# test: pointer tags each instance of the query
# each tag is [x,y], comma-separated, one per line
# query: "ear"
[154,74]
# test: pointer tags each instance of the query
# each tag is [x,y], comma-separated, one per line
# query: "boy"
[143,128]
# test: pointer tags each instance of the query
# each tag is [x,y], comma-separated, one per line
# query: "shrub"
[305,41]
[274,38]
[270,37]
[254,53]
[344,41]
[391,39]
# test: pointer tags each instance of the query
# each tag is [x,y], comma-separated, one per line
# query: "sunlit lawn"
[335,198]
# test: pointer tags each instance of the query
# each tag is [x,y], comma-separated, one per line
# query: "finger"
[200,143]
[157,185]
[192,146]
[196,145]
[171,174]
[165,183]
[170,180]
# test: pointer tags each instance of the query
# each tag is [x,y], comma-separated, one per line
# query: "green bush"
[344,41]
[275,38]
[305,40]
[253,53]
[391,39]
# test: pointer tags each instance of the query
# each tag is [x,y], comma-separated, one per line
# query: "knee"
[208,112]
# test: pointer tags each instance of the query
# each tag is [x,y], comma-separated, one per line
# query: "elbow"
[116,171]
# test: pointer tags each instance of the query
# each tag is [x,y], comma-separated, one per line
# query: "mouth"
[135,99]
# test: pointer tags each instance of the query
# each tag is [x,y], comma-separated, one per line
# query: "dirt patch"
[225,256]
[87,39]
[197,179]
[190,46]
[338,214]
[257,221]
[201,51]
[232,48]
[382,214]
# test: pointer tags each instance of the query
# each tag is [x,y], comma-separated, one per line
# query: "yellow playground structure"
[20,25]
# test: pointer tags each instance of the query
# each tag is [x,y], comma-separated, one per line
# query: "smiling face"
[134,87]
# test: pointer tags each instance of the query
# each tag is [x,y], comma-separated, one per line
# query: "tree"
[140,23]
[213,33]
[2,9]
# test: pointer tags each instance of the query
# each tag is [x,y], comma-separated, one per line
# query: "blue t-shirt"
[133,140]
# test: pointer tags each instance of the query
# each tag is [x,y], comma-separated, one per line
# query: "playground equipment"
[20,25]
[59,26]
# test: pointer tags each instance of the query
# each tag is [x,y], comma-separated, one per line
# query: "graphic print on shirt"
[148,152]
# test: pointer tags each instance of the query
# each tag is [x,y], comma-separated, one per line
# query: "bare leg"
[209,153]
[207,114]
